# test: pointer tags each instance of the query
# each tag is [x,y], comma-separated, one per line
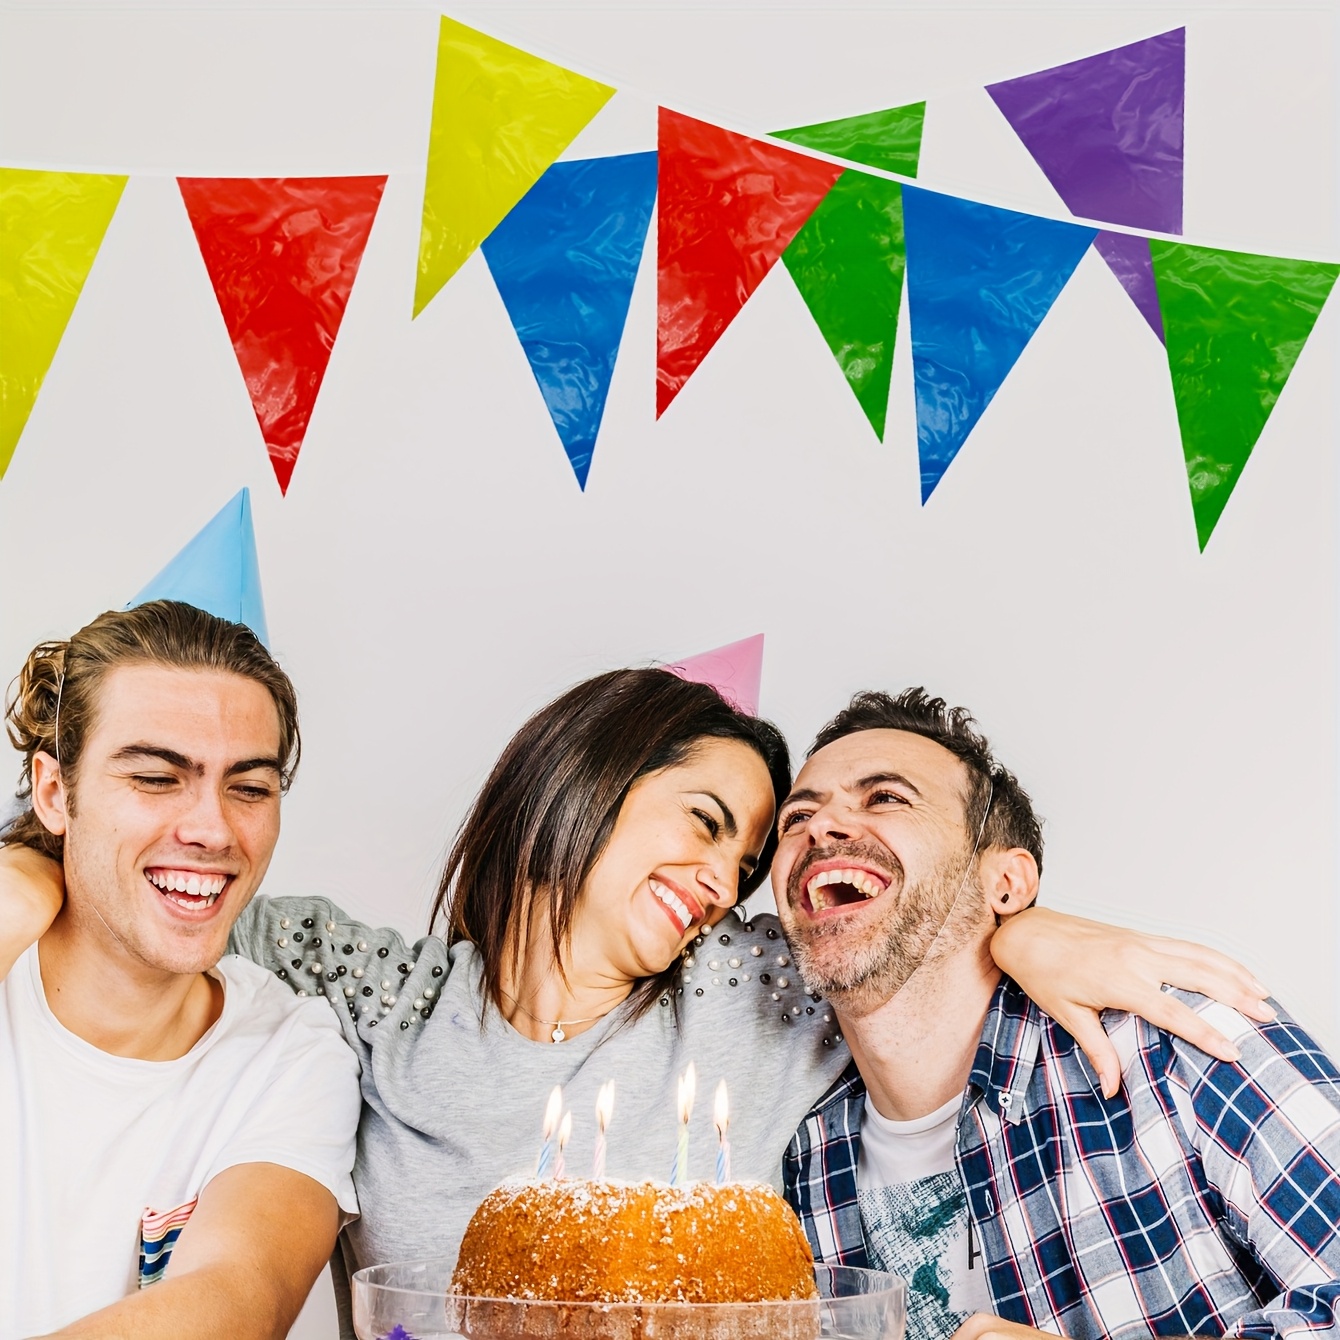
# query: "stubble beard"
[860,968]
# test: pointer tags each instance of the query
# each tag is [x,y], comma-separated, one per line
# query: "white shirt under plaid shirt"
[1204,1199]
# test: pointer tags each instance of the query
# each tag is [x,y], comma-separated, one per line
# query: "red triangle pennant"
[282,254]
[727,208]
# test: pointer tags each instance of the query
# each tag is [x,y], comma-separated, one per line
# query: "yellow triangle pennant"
[500,117]
[51,226]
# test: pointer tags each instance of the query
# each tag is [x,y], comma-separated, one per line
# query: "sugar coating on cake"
[635,1242]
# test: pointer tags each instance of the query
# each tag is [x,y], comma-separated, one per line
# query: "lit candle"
[687,1084]
[564,1134]
[722,1118]
[551,1115]
[604,1111]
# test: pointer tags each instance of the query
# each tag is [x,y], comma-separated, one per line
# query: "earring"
[1004,897]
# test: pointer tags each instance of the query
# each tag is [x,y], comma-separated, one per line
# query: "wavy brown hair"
[52,703]
[544,816]
[1007,816]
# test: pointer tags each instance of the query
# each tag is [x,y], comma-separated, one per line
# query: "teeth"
[858,879]
[676,905]
[194,904]
[201,890]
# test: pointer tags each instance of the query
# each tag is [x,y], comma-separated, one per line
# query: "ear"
[49,799]
[1009,880]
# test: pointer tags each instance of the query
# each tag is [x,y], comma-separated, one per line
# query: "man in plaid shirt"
[970,1146]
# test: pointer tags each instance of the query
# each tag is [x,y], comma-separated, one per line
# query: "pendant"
[558,1034]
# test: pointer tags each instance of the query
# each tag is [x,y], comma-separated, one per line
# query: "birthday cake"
[635,1242]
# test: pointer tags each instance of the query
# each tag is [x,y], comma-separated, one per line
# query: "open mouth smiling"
[191,890]
[683,909]
[836,886]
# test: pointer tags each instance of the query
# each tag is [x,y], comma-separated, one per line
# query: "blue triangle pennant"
[979,282]
[217,571]
[564,261]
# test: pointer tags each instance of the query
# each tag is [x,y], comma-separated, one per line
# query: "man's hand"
[32,890]
[984,1326]
[242,1268]
[1074,968]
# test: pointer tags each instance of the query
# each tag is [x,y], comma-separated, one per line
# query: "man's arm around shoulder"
[32,889]
[242,1268]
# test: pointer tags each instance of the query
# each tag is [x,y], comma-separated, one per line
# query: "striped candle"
[687,1083]
[552,1112]
[564,1135]
[604,1111]
[721,1116]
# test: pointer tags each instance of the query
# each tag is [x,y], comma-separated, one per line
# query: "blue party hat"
[217,571]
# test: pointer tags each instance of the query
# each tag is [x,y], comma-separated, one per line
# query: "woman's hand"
[32,889]
[983,1326]
[1073,968]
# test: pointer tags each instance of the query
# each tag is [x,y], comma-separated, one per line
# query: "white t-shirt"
[102,1157]
[915,1215]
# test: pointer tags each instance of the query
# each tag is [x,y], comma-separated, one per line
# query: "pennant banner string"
[884,143]
[839,202]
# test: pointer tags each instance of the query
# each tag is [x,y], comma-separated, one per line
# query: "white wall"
[435,574]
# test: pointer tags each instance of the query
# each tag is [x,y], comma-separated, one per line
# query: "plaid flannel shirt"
[1204,1199]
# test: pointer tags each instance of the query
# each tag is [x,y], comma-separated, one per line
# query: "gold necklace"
[557,1024]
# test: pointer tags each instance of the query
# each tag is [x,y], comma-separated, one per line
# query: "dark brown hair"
[546,812]
[1011,822]
[57,690]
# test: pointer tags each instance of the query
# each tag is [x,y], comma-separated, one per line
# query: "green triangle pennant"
[889,139]
[848,261]
[51,226]
[1235,325]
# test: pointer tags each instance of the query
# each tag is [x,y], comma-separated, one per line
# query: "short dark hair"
[1011,821]
[53,701]
[544,815]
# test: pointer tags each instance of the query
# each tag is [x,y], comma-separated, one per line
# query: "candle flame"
[722,1110]
[605,1105]
[565,1130]
[688,1083]
[552,1112]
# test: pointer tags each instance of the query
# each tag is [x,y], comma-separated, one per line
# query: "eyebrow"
[727,818]
[883,778]
[861,784]
[253,765]
[169,756]
[177,760]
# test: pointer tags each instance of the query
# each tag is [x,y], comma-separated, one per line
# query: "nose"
[829,823]
[718,885]
[203,821]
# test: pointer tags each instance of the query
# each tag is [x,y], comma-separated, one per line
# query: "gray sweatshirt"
[451,1108]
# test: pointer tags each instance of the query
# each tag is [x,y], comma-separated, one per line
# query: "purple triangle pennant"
[1127,256]
[1107,131]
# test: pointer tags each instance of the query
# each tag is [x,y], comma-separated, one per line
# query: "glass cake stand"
[412,1301]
